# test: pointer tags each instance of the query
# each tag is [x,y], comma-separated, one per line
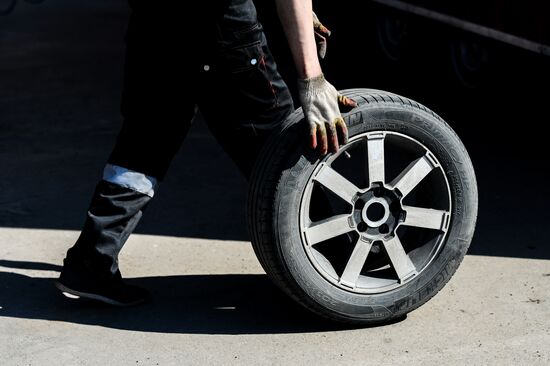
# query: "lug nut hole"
[362,227]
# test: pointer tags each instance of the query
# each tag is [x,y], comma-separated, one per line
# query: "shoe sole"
[73,294]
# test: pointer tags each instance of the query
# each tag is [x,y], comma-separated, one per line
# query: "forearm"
[297,19]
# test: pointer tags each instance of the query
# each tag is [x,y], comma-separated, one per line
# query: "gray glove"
[321,35]
[320,100]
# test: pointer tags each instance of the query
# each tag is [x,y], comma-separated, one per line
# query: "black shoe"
[75,282]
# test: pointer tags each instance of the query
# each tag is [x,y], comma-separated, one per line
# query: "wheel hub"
[377,213]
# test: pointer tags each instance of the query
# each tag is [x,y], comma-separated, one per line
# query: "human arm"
[327,129]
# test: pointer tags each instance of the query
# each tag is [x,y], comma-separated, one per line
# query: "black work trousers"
[181,54]
[213,55]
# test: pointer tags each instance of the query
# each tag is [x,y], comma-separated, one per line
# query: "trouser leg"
[156,120]
[112,215]
[157,112]
[242,96]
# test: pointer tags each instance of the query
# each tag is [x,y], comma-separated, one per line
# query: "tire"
[287,170]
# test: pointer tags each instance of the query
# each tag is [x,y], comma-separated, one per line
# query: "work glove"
[320,102]
[321,35]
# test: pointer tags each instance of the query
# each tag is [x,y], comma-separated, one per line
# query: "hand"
[320,100]
[321,35]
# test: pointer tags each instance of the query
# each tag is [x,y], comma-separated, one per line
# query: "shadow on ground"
[201,304]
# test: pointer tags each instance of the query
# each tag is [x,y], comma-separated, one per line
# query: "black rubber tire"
[279,178]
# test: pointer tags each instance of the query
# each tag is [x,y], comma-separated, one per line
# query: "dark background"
[60,80]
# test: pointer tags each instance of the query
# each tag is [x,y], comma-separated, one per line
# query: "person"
[230,74]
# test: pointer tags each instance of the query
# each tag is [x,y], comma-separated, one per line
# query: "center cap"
[375,212]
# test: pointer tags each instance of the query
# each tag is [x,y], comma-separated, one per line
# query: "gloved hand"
[321,35]
[320,101]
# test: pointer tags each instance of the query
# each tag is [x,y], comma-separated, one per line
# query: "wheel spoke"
[426,218]
[336,183]
[355,263]
[401,262]
[375,150]
[328,228]
[413,175]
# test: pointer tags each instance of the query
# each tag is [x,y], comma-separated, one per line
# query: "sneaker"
[75,283]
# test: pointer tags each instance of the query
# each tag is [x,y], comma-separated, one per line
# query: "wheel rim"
[469,60]
[391,33]
[7,6]
[353,219]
